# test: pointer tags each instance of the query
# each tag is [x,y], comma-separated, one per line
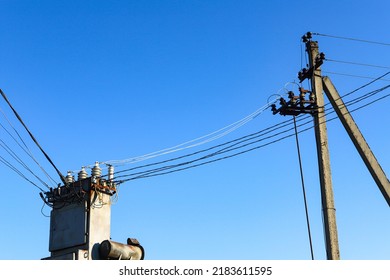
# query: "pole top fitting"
[307,37]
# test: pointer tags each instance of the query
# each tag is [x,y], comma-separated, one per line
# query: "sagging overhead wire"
[231,144]
[257,134]
[179,167]
[195,142]
[233,147]
[197,162]
[237,141]
[224,131]
[206,138]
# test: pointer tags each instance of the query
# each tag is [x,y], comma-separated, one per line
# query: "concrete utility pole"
[315,106]
[328,207]
[357,138]
[296,105]
[80,220]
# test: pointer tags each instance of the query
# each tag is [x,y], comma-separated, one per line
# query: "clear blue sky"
[104,80]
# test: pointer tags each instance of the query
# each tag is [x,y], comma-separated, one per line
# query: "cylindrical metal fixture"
[110,172]
[96,170]
[118,251]
[69,178]
[82,174]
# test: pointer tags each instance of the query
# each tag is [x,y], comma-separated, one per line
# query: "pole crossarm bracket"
[308,73]
[296,105]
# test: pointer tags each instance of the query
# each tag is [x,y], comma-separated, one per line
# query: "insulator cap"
[110,172]
[82,174]
[69,178]
[96,170]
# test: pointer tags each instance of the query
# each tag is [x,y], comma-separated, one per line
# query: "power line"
[180,147]
[221,151]
[351,39]
[370,103]
[242,139]
[195,142]
[32,136]
[353,75]
[18,159]
[357,63]
[8,164]
[368,95]
[203,163]
[178,167]
[154,173]
[155,154]
[303,187]
[25,148]
[366,85]
[232,144]
[238,140]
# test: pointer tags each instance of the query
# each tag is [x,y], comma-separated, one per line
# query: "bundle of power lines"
[247,143]
[14,151]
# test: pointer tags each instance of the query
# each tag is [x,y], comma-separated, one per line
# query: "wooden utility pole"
[328,207]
